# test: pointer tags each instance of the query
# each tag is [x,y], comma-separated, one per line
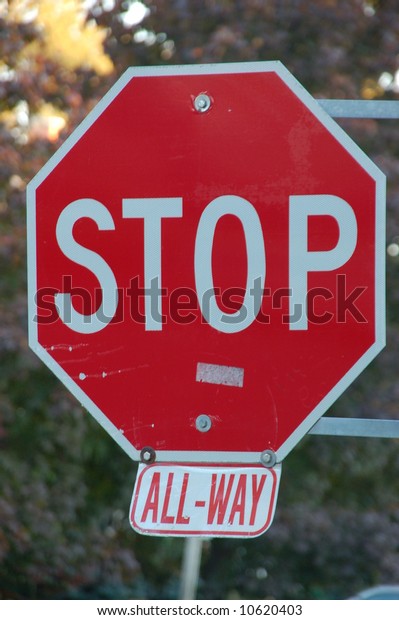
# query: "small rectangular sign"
[204,500]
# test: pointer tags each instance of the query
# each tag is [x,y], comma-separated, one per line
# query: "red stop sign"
[206,262]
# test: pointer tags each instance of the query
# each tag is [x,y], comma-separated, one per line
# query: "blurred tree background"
[65,487]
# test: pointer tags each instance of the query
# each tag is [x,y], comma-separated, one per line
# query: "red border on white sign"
[216,500]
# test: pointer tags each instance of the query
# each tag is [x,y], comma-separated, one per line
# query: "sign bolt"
[147,455]
[203,423]
[268,458]
[202,103]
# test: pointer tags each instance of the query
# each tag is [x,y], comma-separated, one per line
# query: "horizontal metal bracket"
[360,108]
[356,427]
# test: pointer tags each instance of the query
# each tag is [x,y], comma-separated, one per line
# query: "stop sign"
[206,262]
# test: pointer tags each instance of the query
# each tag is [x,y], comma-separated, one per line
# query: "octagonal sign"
[206,262]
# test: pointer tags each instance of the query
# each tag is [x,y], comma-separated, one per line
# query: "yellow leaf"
[67,37]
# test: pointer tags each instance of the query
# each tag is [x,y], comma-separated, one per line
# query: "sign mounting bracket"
[358,427]
[359,108]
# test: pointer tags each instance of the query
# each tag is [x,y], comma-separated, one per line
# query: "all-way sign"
[206,500]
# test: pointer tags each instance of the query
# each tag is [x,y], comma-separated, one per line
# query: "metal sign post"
[190,568]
